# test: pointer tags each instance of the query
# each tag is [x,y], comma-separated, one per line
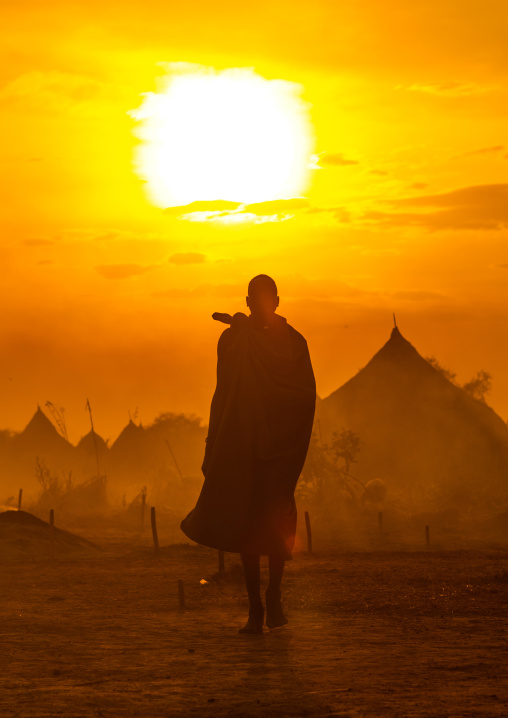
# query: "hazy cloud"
[37,242]
[339,213]
[236,217]
[205,290]
[342,215]
[276,206]
[382,173]
[216,205]
[291,288]
[418,185]
[450,89]
[479,207]
[52,91]
[491,195]
[187,258]
[107,236]
[485,150]
[299,287]
[334,159]
[234,212]
[121,271]
[417,296]
[111,236]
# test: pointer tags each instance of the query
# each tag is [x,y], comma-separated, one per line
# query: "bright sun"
[230,134]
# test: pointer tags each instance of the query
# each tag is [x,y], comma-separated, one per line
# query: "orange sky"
[107,296]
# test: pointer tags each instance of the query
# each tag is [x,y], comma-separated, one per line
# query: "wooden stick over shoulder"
[221,317]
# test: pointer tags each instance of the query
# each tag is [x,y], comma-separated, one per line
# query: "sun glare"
[229,134]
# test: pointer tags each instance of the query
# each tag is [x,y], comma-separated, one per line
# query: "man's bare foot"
[274,614]
[251,627]
[255,621]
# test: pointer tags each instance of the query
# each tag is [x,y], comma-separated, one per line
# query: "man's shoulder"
[296,335]
[241,322]
[225,338]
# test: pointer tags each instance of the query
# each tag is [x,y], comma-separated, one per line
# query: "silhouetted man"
[259,431]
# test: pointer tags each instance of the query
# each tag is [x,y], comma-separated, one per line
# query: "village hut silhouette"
[88,444]
[159,464]
[131,463]
[169,450]
[92,453]
[423,435]
[129,453]
[40,435]
[39,441]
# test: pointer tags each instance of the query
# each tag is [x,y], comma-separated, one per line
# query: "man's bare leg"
[274,614]
[251,568]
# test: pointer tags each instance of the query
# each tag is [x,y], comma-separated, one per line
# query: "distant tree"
[325,477]
[345,446]
[479,386]
[447,373]
[133,417]
[52,486]
[318,470]
[169,420]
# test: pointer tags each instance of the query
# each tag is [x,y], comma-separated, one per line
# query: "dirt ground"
[379,633]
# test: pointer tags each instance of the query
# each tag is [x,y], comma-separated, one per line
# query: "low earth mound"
[24,535]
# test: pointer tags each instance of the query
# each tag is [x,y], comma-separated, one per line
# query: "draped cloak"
[259,431]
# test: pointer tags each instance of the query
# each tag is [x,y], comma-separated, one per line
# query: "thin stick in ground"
[52,533]
[309,532]
[154,530]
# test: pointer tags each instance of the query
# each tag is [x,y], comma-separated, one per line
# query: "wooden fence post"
[52,533]
[143,503]
[154,529]
[19,499]
[309,532]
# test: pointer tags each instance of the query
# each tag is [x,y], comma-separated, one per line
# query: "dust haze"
[402,530]
[399,445]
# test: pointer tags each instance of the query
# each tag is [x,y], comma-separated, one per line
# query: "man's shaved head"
[262,299]
[262,284]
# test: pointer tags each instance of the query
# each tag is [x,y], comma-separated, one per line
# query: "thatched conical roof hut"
[418,430]
[39,440]
[89,441]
